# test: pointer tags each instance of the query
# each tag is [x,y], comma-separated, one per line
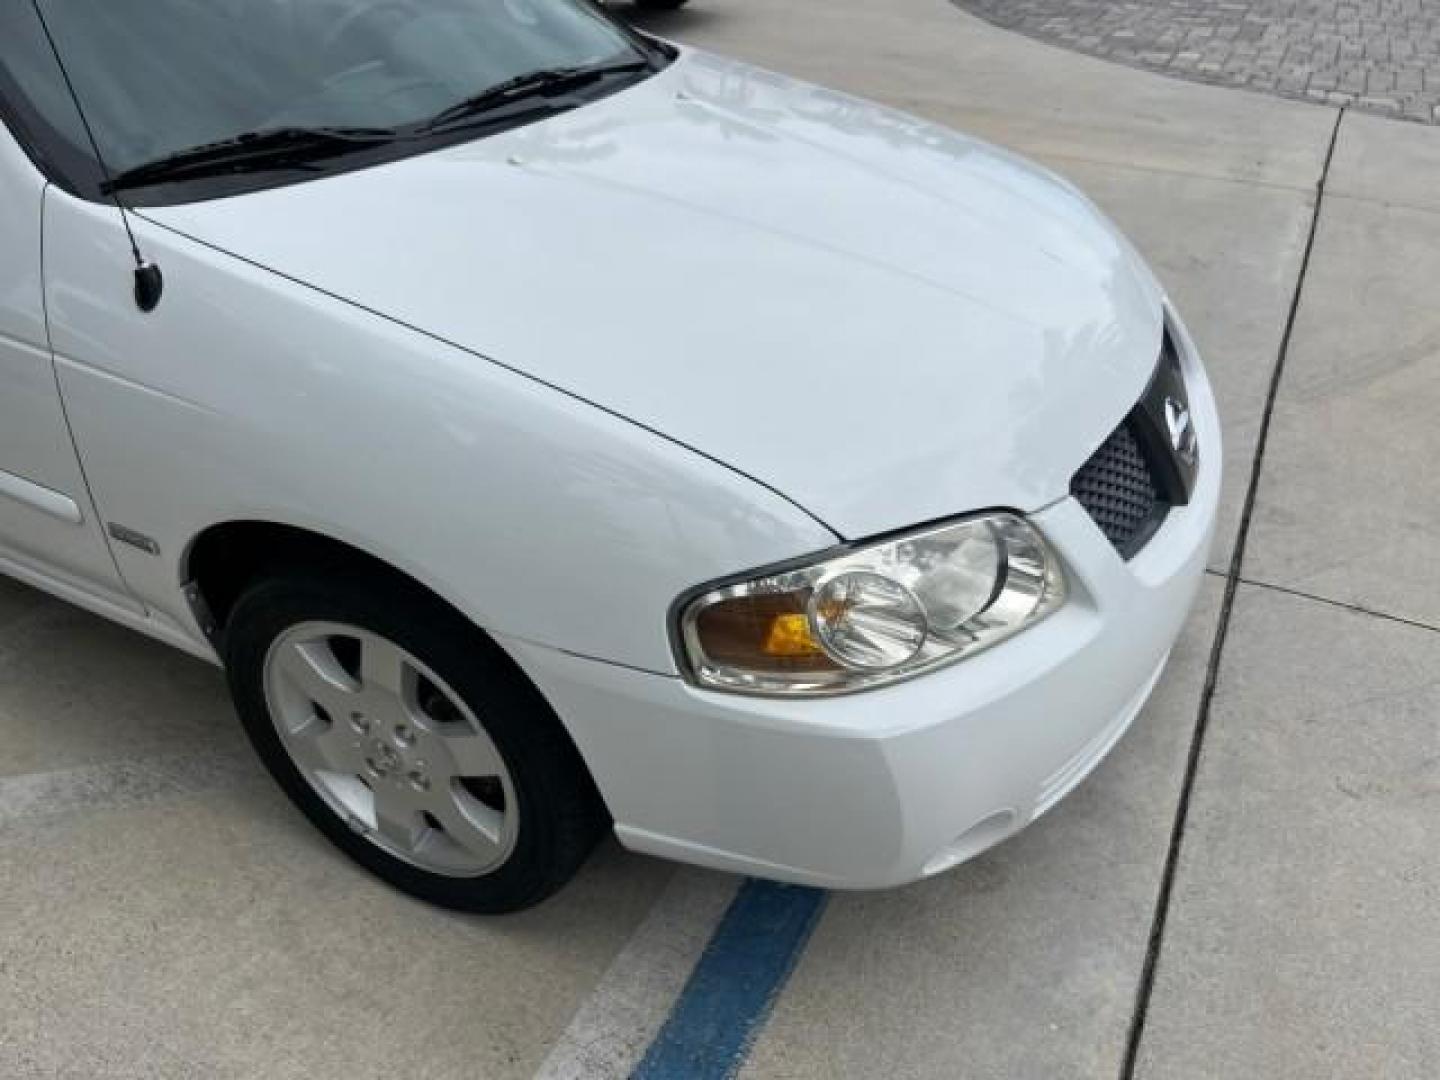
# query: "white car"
[550,429]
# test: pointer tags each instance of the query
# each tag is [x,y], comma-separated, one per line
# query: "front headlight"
[876,614]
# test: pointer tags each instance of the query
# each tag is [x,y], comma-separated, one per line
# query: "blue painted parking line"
[730,993]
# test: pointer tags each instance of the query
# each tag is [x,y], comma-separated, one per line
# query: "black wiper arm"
[271,148]
[534,84]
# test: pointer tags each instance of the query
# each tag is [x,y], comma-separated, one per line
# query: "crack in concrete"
[1233,580]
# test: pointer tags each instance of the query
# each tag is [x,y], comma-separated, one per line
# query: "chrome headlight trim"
[937,564]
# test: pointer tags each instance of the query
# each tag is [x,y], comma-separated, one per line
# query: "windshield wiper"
[272,148]
[494,103]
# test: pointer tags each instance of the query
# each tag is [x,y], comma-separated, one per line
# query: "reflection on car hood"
[888,322]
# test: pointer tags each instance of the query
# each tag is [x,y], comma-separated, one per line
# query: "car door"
[48,528]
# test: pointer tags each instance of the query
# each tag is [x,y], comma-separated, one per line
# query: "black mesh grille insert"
[1118,489]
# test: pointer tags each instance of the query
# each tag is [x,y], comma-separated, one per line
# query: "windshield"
[157,78]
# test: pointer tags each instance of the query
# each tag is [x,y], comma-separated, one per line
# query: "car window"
[160,76]
[37,105]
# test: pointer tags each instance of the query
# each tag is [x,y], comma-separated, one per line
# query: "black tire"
[660,5]
[561,815]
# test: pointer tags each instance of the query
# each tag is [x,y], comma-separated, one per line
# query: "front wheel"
[410,740]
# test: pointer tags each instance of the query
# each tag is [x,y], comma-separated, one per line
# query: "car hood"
[884,321]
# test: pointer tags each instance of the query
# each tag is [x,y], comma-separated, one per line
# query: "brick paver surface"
[1382,56]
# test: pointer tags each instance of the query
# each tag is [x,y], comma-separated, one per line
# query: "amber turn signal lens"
[790,636]
[765,631]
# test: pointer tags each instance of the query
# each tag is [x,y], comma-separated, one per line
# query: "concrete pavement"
[163,912]
[1303,938]
[1304,935]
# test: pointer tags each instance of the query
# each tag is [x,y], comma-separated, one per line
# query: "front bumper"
[890,785]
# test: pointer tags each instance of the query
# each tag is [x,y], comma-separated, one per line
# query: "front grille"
[1149,463]
[1118,489]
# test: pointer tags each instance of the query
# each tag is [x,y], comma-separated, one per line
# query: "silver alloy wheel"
[391,748]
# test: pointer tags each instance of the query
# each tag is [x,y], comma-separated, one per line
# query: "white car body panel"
[46,523]
[887,786]
[246,397]
[565,374]
[885,321]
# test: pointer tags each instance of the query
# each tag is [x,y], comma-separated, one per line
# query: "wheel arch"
[224,557]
